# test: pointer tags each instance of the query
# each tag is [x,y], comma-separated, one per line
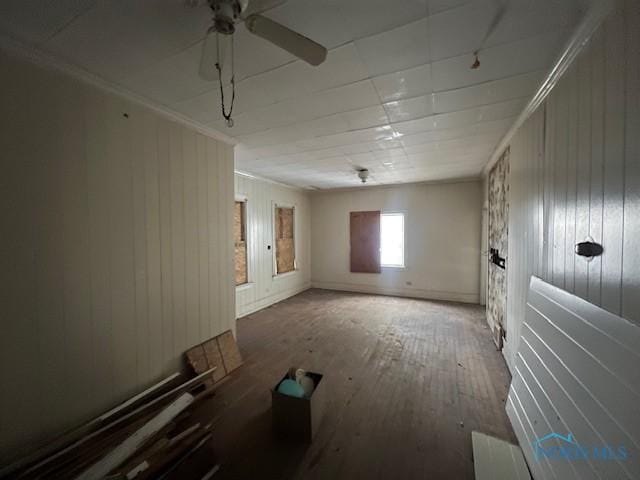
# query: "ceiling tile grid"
[396,94]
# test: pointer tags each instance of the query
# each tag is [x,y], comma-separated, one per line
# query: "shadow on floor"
[270,457]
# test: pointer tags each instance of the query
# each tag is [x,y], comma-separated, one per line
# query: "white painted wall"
[575,171]
[264,288]
[442,240]
[572,375]
[116,250]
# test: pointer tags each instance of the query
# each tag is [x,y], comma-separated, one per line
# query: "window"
[285,241]
[392,240]
[240,239]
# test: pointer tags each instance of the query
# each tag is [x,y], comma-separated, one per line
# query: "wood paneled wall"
[116,248]
[572,376]
[575,172]
[264,288]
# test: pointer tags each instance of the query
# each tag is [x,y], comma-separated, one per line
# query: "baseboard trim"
[400,292]
[271,300]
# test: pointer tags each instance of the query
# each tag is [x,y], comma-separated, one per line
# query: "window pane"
[392,239]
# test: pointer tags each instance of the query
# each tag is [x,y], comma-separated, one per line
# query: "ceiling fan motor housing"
[225,14]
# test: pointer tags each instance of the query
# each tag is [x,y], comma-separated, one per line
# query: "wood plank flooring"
[407,381]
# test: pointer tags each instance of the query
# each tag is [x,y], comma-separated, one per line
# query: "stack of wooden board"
[147,436]
[219,352]
[144,437]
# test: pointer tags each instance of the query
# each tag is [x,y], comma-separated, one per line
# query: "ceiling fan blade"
[258,6]
[294,43]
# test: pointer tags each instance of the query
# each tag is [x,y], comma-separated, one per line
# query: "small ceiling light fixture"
[476,63]
[500,10]
[363,174]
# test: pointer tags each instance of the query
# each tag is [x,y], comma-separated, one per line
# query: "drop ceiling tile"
[365,117]
[272,116]
[438,135]
[116,39]
[456,119]
[397,49]
[506,109]
[524,56]
[415,126]
[404,84]
[523,18]
[476,143]
[437,6]
[324,126]
[34,21]
[389,153]
[466,29]
[337,100]
[495,126]
[171,80]
[363,159]
[276,136]
[342,67]
[409,109]
[460,30]
[363,18]
[490,92]
[206,107]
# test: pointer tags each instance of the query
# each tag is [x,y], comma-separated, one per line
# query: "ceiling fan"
[228,13]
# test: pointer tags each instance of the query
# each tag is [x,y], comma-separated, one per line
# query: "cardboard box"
[298,418]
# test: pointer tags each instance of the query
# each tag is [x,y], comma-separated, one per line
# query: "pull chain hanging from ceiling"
[225,114]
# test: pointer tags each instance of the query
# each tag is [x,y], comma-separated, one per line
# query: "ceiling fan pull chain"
[227,116]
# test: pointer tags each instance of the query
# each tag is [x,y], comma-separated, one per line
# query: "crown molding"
[252,176]
[36,56]
[387,186]
[593,18]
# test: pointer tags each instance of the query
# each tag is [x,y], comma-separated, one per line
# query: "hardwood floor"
[406,380]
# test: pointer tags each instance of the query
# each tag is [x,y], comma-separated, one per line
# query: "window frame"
[274,253]
[404,239]
[247,238]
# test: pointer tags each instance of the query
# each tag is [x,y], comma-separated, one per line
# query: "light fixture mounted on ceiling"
[476,64]
[226,14]
[363,174]
[501,8]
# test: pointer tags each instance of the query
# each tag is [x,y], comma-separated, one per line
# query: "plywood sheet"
[221,352]
[285,243]
[229,351]
[214,359]
[241,263]
[365,242]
